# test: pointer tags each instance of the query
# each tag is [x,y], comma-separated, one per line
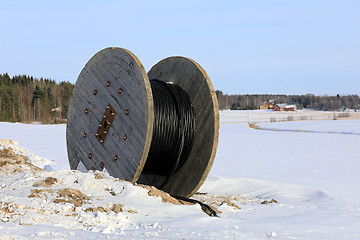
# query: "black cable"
[174,129]
[173,134]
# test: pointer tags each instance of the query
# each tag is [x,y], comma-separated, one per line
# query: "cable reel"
[161,132]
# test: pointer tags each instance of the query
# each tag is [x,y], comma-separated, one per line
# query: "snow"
[341,127]
[326,161]
[312,174]
[47,141]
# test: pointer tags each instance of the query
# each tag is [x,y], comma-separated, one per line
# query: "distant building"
[266,105]
[58,109]
[284,107]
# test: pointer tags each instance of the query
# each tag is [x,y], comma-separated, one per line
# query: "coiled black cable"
[173,134]
[174,129]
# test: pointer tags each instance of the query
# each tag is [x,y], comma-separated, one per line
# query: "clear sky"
[246,46]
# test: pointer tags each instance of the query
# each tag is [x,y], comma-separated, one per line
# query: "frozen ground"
[314,177]
[342,127]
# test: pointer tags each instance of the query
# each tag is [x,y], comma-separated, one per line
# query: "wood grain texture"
[192,78]
[121,81]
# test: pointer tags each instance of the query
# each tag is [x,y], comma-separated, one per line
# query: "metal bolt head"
[95,92]
[120,90]
[127,112]
[115,158]
[84,135]
[90,155]
[86,111]
[108,84]
[125,137]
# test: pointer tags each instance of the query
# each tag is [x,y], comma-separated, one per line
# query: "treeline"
[28,99]
[309,101]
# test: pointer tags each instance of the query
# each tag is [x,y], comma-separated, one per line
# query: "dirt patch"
[116,208]
[98,176]
[47,182]
[73,196]
[9,153]
[99,209]
[8,156]
[6,208]
[268,202]
[65,195]
[10,166]
[215,200]
[10,162]
[39,193]
[166,198]
[50,180]
[253,125]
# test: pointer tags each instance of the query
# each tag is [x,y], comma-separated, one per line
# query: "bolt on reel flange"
[111,118]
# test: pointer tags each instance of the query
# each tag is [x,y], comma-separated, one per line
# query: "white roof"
[284,105]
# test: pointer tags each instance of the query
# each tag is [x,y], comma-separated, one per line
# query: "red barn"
[284,107]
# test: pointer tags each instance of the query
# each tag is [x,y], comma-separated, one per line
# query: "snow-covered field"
[311,172]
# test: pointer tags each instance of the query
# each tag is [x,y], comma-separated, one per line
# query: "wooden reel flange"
[111,117]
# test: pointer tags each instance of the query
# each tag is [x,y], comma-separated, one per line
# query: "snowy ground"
[311,172]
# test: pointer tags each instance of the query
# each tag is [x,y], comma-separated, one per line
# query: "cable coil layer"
[174,127]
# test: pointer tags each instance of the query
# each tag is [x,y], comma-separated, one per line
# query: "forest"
[27,99]
[308,101]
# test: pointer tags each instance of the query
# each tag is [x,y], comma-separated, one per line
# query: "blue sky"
[247,47]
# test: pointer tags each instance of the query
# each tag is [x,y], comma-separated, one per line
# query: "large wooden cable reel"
[111,119]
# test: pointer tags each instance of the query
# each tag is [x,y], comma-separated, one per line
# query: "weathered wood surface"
[192,78]
[121,81]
